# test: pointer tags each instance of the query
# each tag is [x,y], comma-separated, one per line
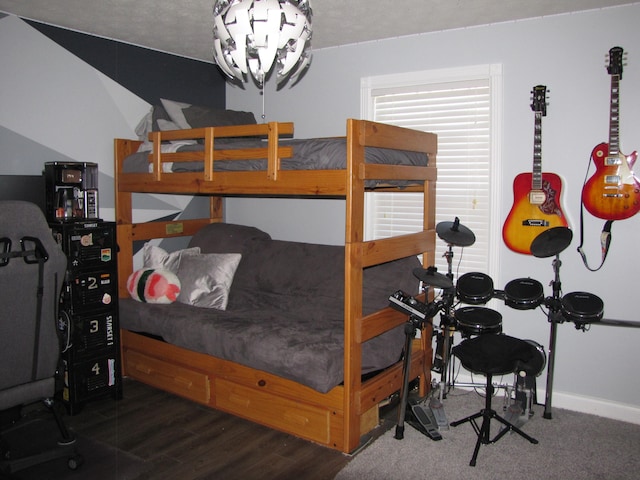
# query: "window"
[462,107]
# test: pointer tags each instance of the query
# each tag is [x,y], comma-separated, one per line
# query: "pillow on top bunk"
[172,115]
[206,279]
[152,121]
[186,115]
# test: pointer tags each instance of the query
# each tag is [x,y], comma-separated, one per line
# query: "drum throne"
[491,355]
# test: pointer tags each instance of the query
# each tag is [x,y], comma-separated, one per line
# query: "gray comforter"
[311,154]
[285,313]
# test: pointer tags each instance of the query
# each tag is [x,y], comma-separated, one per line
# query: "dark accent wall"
[147,73]
[29,188]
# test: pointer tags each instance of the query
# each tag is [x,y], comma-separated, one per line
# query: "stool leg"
[487,413]
[510,426]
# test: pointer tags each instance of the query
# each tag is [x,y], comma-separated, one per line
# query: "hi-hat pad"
[551,242]
[429,276]
[455,234]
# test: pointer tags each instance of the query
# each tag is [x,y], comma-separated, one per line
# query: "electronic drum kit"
[475,289]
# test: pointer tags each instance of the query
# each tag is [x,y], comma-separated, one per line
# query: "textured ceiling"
[183,27]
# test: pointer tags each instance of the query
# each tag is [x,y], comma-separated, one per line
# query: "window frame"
[406,81]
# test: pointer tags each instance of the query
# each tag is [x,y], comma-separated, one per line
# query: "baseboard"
[574,402]
[596,406]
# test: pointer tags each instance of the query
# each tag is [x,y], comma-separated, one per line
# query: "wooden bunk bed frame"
[339,418]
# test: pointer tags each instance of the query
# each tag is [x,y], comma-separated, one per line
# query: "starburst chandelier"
[253,35]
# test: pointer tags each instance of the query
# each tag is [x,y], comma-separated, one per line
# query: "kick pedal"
[426,423]
[437,409]
[513,415]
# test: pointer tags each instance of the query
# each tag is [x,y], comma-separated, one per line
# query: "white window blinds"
[459,111]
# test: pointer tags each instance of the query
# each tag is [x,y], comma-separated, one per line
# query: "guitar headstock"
[539,99]
[616,55]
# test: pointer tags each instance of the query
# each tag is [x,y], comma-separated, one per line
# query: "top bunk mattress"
[308,154]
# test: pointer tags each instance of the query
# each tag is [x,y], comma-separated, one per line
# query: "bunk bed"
[340,417]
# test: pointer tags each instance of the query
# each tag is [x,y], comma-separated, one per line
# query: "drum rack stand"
[446,332]
[555,317]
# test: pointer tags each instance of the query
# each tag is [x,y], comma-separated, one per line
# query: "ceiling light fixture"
[252,35]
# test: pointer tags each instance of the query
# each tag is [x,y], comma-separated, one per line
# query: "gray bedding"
[310,154]
[285,312]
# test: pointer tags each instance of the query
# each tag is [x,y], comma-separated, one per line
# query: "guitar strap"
[605,235]
[605,241]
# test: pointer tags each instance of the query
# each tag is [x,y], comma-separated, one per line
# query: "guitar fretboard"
[614,117]
[536,177]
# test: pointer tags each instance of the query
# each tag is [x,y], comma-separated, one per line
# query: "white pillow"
[166,125]
[174,109]
[158,258]
[206,279]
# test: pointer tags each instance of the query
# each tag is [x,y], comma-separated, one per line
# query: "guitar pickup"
[535,223]
[612,179]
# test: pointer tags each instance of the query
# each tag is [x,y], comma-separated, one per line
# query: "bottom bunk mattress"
[306,347]
[285,311]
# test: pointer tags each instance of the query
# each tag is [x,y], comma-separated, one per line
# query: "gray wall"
[66,95]
[595,371]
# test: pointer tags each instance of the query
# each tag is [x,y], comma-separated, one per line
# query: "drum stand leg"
[435,404]
[410,329]
[550,366]
[421,420]
[555,317]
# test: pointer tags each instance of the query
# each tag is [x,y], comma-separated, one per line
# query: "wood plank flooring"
[179,439]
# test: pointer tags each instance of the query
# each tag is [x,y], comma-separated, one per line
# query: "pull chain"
[264,116]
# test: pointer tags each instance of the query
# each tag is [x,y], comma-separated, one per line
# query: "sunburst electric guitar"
[536,196]
[613,192]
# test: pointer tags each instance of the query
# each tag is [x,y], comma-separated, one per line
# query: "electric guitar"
[536,196]
[613,192]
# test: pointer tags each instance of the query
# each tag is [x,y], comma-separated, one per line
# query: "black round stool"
[495,355]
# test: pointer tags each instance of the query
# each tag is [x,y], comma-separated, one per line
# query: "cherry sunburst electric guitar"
[536,196]
[613,192]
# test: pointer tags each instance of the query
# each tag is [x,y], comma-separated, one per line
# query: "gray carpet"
[572,446]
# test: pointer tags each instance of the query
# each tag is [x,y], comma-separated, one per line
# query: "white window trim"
[368,86]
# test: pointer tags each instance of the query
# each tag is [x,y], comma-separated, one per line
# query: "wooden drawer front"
[302,420]
[172,378]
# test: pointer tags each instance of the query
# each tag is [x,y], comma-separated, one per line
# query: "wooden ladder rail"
[360,254]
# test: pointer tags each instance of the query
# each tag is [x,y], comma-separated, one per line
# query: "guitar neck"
[536,177]
[614,117]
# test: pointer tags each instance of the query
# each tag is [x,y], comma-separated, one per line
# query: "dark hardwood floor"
[179,439]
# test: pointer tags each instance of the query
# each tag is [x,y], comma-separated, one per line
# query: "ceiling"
[183,27]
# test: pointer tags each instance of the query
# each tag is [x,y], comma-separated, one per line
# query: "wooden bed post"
[353,280]
[216,208]
[428,259]
[123,217]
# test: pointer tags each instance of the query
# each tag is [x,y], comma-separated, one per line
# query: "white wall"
[595,371]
